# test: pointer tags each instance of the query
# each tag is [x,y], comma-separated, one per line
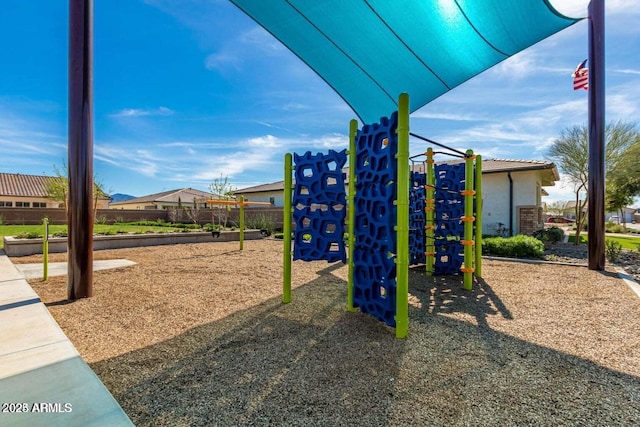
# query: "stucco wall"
[496,198]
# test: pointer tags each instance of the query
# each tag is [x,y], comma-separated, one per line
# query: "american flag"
[581,77]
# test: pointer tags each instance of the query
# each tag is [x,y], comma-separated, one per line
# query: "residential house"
[512,194]
[629,214]
[30,191]
[183,197]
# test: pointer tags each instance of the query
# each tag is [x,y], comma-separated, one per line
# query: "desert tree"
[222,190]
[57,188]
[571,153]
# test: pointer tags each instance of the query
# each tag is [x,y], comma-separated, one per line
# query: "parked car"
[560,220]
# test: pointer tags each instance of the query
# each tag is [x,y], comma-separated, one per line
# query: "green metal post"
[468,225]
[45,249]
[402,228]
[351,206]
[241,222]
[286,229]
[478,246]
[429,207]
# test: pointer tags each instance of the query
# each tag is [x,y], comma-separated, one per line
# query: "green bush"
[211,227]
[612,249]
[29,235]
[61,233]
[549,235]
[611,227]
[260,221]
[519,246]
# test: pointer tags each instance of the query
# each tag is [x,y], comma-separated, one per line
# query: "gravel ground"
[196,334]
[628,260]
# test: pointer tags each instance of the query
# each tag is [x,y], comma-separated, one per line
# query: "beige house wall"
[102,203]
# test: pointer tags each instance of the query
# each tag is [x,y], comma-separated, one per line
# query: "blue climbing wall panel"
[449,209]
[375,236]
[319,207]
[417,218]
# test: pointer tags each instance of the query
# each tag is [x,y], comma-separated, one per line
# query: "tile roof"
[488,166]
[184,194]
[20,185]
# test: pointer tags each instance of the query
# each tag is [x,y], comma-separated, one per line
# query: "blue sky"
[189,91]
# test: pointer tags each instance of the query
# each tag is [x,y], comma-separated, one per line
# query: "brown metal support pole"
[596,135]
[80,203]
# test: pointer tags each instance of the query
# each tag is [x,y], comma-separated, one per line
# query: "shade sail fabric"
[370,51]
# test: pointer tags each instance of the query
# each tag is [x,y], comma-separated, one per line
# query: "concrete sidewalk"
[43,379]
[35,271]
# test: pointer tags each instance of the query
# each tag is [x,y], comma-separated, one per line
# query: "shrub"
[261,221]
[549,235]
[211,227]
[29,235]
[611,227]
[519,246]
[612,249]
[61,233]
[102,219]
[119,220]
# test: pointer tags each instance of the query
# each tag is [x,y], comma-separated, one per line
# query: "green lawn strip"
[627,242]
[15,230]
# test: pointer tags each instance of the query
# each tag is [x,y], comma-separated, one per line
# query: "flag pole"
[596,136]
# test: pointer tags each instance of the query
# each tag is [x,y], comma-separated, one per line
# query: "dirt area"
[196,334]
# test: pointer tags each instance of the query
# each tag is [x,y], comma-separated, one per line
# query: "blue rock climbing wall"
[449,209]
[375,236]
[319,207]
[417,218]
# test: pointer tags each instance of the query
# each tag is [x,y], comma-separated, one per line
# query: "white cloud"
[139,112]
[222,61]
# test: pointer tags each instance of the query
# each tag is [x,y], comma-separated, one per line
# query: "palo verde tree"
[571,153]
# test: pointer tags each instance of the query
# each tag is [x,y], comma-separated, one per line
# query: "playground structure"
[397,216]
[241,204]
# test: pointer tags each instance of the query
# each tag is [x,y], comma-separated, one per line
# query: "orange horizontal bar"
[467,242]
[467,270]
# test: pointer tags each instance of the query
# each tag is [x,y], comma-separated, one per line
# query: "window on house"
[39,205]
[272,200]
[6,204]
[23,204]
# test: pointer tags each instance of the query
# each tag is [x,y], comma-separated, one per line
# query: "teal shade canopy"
[370,51]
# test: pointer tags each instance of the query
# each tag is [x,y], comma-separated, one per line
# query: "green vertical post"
[468,225]
[478,246]
[286,229]
[429,208]
[45,249]
[351,206]
[402,228]
[241,222]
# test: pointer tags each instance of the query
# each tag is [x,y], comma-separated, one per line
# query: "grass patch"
[627,242]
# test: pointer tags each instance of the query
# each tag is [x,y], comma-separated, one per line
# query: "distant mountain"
[119,197]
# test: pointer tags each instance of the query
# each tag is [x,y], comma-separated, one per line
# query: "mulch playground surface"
[196,334]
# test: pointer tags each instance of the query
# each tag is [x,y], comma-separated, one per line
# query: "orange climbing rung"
[467,218]
[467,242]
[467,270]
[468,192]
